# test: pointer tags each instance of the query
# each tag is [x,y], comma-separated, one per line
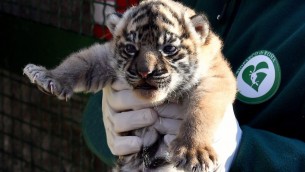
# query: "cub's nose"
[141,73]
[144,74]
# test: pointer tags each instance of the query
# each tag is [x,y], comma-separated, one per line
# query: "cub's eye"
[169,49]
[130,49]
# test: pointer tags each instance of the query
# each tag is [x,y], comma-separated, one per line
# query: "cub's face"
[156,49]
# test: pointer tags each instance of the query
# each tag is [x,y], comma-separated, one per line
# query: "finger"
[131,120]
[124,145]
[126,100]
[120,84]
[170,110]
[167,125]
[168,139]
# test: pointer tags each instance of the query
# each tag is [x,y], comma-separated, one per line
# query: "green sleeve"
[94,131]
[260,150]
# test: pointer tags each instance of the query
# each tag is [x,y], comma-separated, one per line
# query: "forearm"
[87,70]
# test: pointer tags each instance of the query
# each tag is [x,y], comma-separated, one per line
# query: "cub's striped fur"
[166,52]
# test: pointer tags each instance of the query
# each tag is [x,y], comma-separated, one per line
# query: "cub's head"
[157,45]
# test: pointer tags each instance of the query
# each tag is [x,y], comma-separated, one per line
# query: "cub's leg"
[192,149]
[87,70]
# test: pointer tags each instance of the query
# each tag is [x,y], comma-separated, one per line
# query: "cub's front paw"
[45,82]
[192,156]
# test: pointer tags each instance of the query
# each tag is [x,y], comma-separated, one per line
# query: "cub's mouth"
[146,86]
[151,90]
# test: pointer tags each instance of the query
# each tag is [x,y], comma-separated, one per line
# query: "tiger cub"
[166,52]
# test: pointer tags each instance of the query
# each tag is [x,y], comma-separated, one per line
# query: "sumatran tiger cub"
[166,52]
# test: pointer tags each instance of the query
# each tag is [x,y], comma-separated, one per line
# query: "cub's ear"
[201,24]
[112,20]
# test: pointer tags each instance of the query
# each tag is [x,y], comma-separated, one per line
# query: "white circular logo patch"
[258,78]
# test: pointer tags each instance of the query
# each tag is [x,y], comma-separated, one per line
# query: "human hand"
[118,101]
[170,116]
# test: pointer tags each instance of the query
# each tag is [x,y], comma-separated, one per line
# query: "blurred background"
[39,133]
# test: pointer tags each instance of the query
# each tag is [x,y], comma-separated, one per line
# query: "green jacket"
[273,118]
[274,126]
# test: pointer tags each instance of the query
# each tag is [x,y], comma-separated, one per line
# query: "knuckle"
[150,116]
[116,126]
[113,150]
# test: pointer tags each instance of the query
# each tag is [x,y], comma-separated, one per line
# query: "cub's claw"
[34,78]
[46,82]
[51,87]
[193,157]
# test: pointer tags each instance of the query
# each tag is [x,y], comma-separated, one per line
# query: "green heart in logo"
[254,76]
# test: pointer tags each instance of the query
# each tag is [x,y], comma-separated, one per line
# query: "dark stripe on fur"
[178,57]
[89,77]
[184,67]
[148,154]
[139,18]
